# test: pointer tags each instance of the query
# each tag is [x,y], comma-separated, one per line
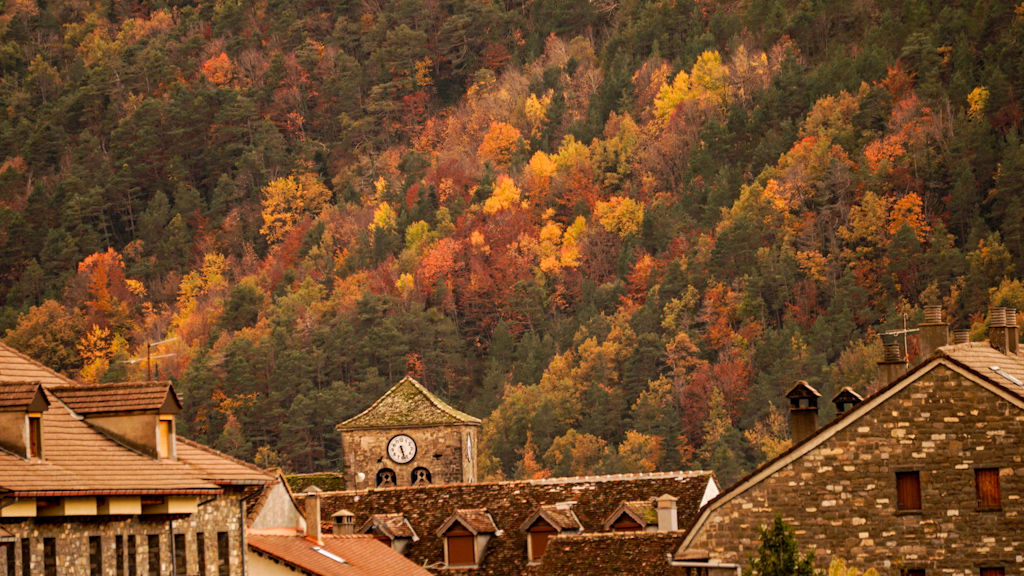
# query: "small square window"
[993,572]
[908,491]
[913,572]
[987,482]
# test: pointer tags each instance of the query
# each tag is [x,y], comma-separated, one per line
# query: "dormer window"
[638,516]
[546,522]
[165,437]
[35,435]
[466,534]
[459,546]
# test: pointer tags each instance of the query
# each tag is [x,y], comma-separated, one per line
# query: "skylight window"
[999,371]
[330,555]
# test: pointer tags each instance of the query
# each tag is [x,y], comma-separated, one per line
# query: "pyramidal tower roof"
[408,403]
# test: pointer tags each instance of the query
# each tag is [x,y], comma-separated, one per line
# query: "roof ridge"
[677,475]
[422,391]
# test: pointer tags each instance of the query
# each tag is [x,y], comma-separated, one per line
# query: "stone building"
[508,528]
[284,539]
[94,481]
[922,477]
[409,436]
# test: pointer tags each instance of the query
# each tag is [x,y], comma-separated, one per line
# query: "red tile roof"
[16,367]
[94,399]
[218,467]
[79,459]
[17,397]
[362,555]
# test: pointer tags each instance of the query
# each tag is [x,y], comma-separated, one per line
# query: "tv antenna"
[150,357]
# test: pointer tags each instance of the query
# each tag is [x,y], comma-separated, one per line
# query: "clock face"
[402,449]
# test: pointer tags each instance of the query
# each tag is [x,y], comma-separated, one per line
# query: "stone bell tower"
[409,437]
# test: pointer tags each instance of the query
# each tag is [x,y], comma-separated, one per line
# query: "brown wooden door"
[460,546]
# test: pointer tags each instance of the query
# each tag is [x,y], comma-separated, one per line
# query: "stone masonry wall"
[841,497]
[72,539]
[438,449]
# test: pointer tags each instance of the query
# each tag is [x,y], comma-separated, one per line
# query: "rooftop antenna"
[149,356]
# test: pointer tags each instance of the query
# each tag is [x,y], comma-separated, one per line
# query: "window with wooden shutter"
[223,554]
[993,572]
[35,436]
[908,491]
[987,481]
[914,572]
[539,535]
[460,546]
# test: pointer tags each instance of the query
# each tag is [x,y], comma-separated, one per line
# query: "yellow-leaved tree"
[286,201]
[506,195]
[707,82]
[500,144]
[620,215]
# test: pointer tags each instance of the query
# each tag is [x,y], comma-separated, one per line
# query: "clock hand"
[402,449]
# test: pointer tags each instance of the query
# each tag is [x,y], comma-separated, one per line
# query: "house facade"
[95,482]
[922,477]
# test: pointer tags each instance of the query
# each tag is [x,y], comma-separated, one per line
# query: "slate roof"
[560,516]
[510,504]
[78,459]
[407,403]
[17,367]
[476,520]
[119,398]
[16,397]
[392,525]
[645,512]
[610,554]
[362,555]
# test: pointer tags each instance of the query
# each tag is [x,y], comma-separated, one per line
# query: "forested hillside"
[619,231]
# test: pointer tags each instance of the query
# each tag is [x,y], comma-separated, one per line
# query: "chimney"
[846,400]
[803,411]
[312,514]
[1012,338]
[933,332]
[997,328]
[668,516]
[344,523]
[893,365]
[961,336]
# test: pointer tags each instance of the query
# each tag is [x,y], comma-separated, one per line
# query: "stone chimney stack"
[344,523]
[997,328]
[933,332]
[846,400]
[803,411]
[1012,337]
[668,516]
[893,365]
[312,514]
[961,336]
